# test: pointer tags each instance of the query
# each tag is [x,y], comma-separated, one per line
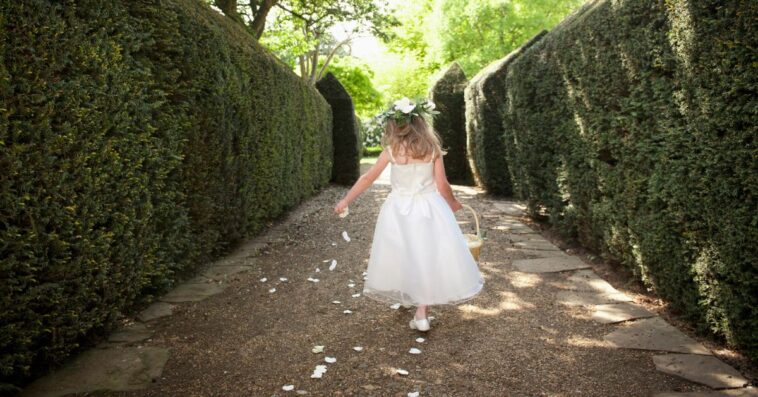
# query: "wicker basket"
[474,241]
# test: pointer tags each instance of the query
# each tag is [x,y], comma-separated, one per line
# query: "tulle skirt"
[419,255]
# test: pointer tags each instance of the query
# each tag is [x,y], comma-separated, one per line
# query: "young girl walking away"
[419,256]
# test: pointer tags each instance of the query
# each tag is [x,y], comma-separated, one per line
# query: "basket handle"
[476,218]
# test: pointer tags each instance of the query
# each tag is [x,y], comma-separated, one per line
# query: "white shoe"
[421,325]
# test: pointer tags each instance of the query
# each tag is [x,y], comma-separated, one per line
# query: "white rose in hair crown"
[403,110]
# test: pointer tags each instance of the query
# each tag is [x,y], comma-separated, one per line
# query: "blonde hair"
[416,139]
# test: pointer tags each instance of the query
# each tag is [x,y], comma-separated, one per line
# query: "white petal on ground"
[348,312]
[333,265]
[282,278]
[351,285]
[272,290]
[365,273]
[326,260]
[263,280]
[414,351]
[395,306]
[318,349]
[345,236]
[318,270]
[413,394]
[330,360]
[288,387]
[356,295]
[358,348]
[420,340]
[334,244]
[336,302]
[402,372]
[317,375]
[313,280]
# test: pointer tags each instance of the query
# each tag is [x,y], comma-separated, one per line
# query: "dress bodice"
[412,178]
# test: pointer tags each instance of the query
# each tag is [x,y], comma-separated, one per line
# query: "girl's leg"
[421,312]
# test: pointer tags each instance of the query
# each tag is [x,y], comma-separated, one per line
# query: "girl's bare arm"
[443,186]
[364,182]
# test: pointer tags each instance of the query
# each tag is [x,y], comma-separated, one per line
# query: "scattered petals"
[358,348]
[317,349]
[333,265]
[263,280]
[318,372]
[313,280]
[365,273]
[414,351]
[282,279]
[330,360]
[420,340]
[348,312]
[272,290]
[345,236]
[336,302]
[288,387]
[318,270]
[351,285]
[395,306]
[402,372]
[334,244]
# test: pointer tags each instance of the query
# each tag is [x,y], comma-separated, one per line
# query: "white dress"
[419,255]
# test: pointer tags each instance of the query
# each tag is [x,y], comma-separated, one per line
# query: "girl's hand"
[341,205]
[455,205]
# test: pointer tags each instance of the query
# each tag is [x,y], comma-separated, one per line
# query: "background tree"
[301,29]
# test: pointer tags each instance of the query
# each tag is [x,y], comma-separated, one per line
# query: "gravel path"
[515,339]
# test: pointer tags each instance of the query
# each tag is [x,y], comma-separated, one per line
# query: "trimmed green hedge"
[137,140]
[634,125]
[484,97]
[447,94]
[346,131]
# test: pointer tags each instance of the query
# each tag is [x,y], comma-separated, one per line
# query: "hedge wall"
[346,133]
[137,140]
[484,131]
[634,126]
[447,94]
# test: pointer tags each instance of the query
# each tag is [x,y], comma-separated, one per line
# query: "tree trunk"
[259,21]
[229,8]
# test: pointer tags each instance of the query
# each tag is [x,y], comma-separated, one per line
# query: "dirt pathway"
[523,336]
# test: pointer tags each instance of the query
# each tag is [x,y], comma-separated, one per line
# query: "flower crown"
[403,110]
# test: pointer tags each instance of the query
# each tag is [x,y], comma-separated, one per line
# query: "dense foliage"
[474,33]
[137,140]
[346,133]
[356,77]
[485,96]
[633,124]
[450,123]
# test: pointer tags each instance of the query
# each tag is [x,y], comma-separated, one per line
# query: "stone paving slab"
[540,245]
[586,280]
[617,312]
[745,392]
[589,299]
[156,310]
[654,334]
[511,226]
[549,265]
[191,292]
[510,208]
[133,333]
[116,368]
[707,370]
[537,253]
